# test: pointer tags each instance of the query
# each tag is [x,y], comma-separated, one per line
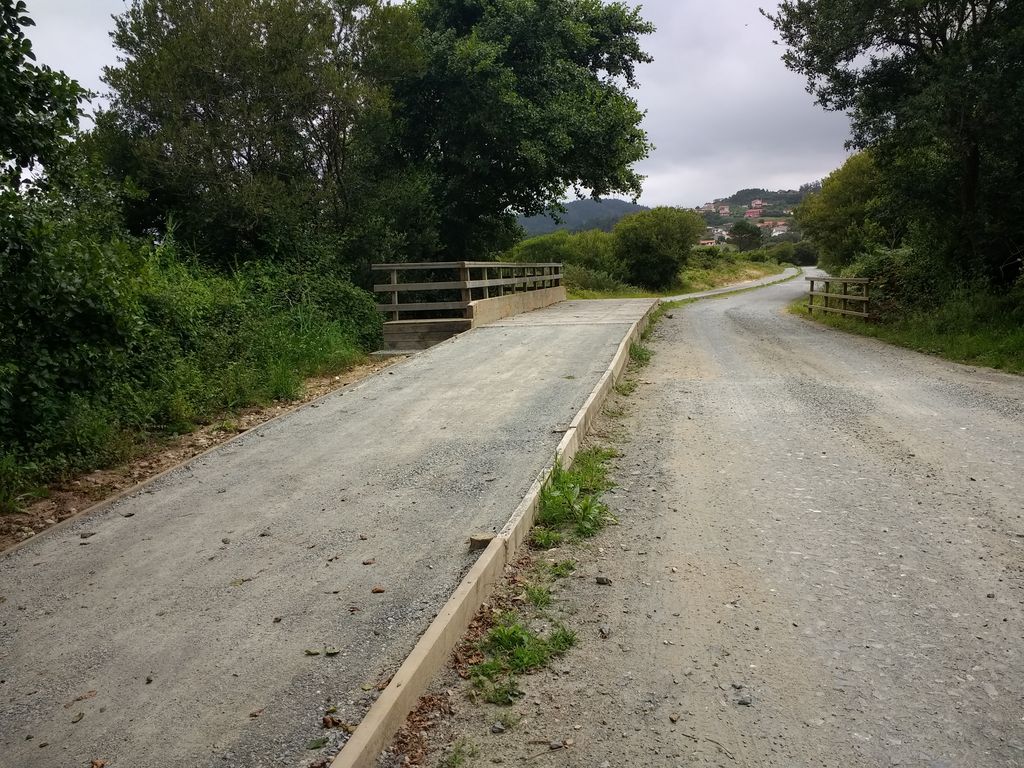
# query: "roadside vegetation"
[978,329]
[570,504]
[606,265]
[205,244]
[929,208]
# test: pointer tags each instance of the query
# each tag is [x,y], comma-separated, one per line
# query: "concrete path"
[761,281]
[172,628]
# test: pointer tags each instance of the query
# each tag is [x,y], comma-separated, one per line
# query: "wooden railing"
[850,292]
[452,285]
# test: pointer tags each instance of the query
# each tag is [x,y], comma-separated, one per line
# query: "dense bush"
[655,244]
[103,342]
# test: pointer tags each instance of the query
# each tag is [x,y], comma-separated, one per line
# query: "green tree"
[258,127]
[838,217]
[521,100]
[936,89]
[745,236]
[40,106]
[654,245]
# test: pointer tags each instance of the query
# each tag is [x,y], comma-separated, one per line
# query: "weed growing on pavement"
[626,387]
[511,648]
[570,502]
[544,538]
[538,594]
[562,569]
[640,354]
[462,751]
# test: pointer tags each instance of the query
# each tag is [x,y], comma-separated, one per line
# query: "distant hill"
[581,215]
[780,198]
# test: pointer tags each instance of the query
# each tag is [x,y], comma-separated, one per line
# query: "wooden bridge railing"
[849,292]
[454,284]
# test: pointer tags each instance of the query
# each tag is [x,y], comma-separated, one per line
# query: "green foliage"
[571,499]
[935,92]
[745,236]
[538,595]
[264,130]
[545,538]
[805,254]
[461,752]
[562,569]
[639,354]
[967,325]
[40,106]
[103,341]
[535,99]
[839,218]
[512,649]
[654,245]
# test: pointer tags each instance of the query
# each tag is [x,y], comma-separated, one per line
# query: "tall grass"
[171,345]
[969,326]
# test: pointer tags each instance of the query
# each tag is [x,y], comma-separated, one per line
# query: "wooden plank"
[823,308]
[458,265]
[852,280]
[422,306]
[849,297]
[388,288]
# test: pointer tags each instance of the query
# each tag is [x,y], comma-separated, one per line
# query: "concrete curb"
[434,647]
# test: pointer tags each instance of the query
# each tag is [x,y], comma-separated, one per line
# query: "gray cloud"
[722,110]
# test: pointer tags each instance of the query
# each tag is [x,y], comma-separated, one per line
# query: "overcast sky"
[722,110]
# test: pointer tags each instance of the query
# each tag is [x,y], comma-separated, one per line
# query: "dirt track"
[820,562]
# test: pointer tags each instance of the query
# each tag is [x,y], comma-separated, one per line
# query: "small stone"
[363,537]
[556,745]
[990,595]
[225,540]
[377,590]
[86,534]
[674,717]
[369,561]
[745,701]
[498,728]
[277,619]
[78,717]
[604,581]
[480,541]
[605,631]
[149,679]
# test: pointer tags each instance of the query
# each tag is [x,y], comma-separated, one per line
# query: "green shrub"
[654,245]
[103,343]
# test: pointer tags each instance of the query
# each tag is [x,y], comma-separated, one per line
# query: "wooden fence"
[851,295]
[451,286]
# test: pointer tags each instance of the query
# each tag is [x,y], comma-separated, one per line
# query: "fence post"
[394,294]
[466,292]
[810,297]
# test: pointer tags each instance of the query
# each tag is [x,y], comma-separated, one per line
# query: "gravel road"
[820,562]
[177,626]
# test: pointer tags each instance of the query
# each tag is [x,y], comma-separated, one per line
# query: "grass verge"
[690,280]
[971,329]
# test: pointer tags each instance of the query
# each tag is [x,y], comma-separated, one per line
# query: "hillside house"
[759,203]
[723,210]
[753,213]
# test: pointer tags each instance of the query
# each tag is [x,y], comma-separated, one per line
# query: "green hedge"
[103,343]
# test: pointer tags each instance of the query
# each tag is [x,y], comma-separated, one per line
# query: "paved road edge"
[432,650]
